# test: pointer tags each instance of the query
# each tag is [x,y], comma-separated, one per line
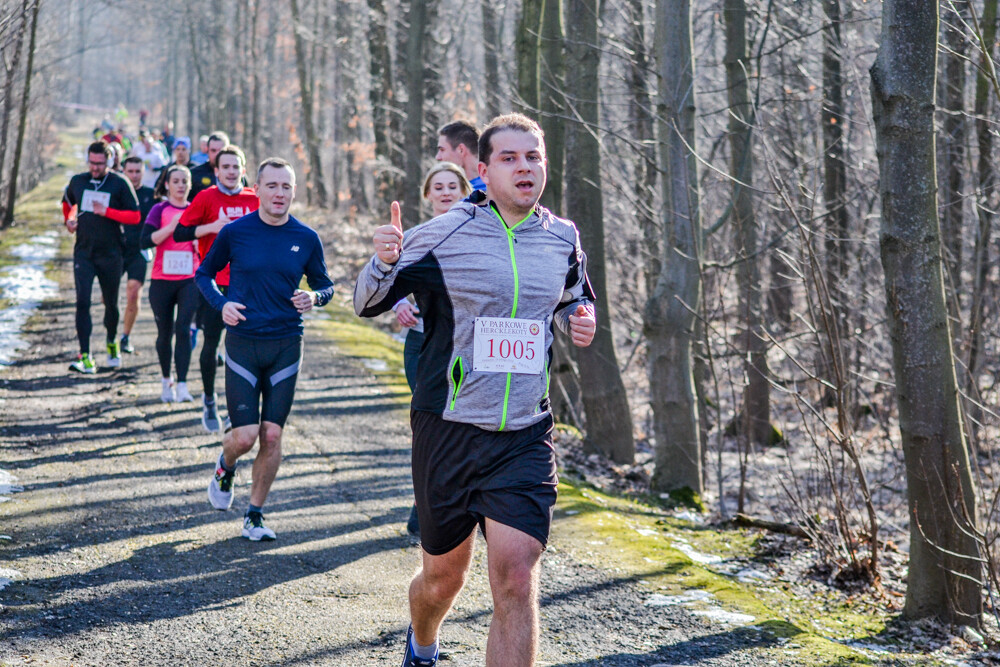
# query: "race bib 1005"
[505,345]
[178,262]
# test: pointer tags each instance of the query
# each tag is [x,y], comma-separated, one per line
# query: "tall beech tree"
[609,419]
[669,317]
[945,573]
[756,409]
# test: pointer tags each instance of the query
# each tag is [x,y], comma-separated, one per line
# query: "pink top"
[174,261]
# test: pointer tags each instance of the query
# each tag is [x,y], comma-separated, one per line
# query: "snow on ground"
[23,287]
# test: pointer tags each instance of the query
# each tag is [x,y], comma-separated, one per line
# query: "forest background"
[788,207]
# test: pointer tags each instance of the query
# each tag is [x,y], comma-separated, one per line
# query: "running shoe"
[182,394]
[126,345]
[209,415]
[167,390]
[114,355]
[220,489]
[254,528]
[410,660]
[413,524]
[84,364]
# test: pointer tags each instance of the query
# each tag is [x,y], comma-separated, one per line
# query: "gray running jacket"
[467,264]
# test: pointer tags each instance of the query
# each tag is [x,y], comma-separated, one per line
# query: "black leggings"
[212,327]
[164,297]
[107,268]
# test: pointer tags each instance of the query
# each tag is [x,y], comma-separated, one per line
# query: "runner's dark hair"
[219,135]
[161,185]
[100,147]
[461,132]
[231,149]
[510,121]
[131,159]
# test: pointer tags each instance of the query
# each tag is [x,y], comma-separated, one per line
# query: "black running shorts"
[135,267]
[260,378]
[463,475]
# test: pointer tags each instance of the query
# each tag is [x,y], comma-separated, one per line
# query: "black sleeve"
[184,233]
[146,237]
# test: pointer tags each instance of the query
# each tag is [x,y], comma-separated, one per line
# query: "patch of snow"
[870,648]
[688,515]
[723,616]
[687,597]
[7,577]
[7,484]
[375,364]
[647,532]
[749,575]
[697,557]
[25,286]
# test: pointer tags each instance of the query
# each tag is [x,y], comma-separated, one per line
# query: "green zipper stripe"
[506,396]
[513,310]
[461,379]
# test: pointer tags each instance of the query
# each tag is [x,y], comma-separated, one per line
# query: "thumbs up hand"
[388,239]
[583,325]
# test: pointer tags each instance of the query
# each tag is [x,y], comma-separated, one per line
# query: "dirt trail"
[123,562]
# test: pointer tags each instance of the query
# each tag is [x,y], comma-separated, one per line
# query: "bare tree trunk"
[254,129]
[11,68]
[641,118]
[756,395]
[985,199]
[945,575]
[952,153]
[8,219]
[381,96]
[609,419]
[834,189]
[316,179]
[415,138]
[551,82]
[670,309]
[527,45]
[491,76]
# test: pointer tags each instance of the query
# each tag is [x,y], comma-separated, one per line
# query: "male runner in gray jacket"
[490,281]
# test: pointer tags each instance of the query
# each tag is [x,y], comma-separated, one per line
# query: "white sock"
[424,652]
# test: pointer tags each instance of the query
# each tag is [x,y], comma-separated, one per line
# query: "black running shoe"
[410,660]
[126,345]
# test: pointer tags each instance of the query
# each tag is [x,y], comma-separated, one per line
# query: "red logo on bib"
[533,329]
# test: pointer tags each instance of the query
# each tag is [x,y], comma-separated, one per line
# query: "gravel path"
[123,562]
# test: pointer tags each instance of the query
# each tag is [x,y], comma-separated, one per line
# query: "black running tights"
[166,296]
[212,327]
[107,268]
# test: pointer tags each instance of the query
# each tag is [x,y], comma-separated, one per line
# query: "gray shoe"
[210,416]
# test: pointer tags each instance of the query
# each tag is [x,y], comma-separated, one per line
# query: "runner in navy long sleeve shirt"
[268,253]
[267,263]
